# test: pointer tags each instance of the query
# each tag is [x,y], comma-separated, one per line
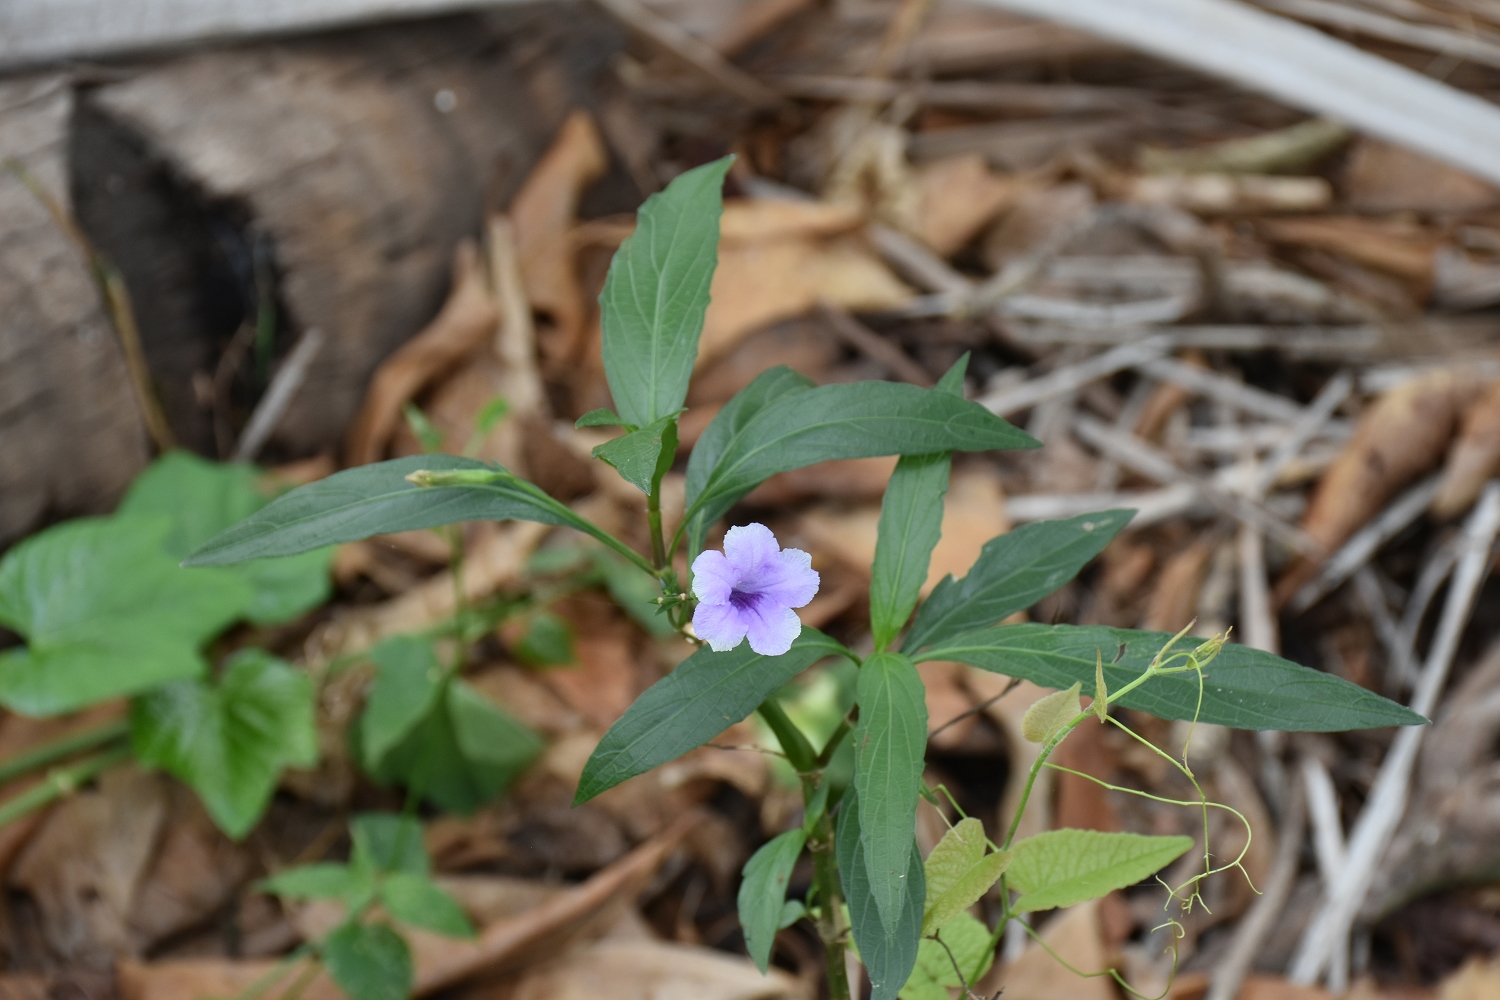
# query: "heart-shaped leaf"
[105,612]
[959,872]
[1063,867]
[230,740]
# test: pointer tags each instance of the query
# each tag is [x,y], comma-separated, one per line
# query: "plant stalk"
[793,743]
[831,928]
[58,783]
[653,518]
[64,746]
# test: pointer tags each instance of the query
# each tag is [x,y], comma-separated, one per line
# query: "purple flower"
[750,589]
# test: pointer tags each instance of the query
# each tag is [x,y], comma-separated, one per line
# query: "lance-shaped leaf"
[911,521]
[656,293]
[705,695]
[728,424]
[855,420]
[1242,688]
[1013,572]
[963,951]
[378,499]
[1063,867]
[230,740]
[959,872]
[105,612]
[642,457]
[763,892]
[888,953]
[890,743]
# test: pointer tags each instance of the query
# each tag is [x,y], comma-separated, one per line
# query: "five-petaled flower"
[750,589]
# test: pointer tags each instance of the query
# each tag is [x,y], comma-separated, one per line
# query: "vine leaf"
[959,872]
[1050,715]
[1063,867]
[968,942]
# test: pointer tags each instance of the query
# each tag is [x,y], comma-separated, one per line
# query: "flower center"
[740,600]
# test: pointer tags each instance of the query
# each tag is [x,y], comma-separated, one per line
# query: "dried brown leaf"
[543,213]
[1474,457]
[1381,177]
[1404,434]
[1076,936]
[464,324]
[958,198]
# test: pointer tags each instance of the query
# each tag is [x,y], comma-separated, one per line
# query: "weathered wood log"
[71,436]
[360,158]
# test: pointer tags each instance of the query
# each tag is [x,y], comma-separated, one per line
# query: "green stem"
[834,741]
[653,518]
[59,782]
[831,927]
[793,743]
[1036,769]
[64,746]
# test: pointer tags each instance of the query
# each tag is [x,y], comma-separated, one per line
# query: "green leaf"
[422,428]
[462,754]
[1013,572]
[318,881]
[413,900]
[368,962]
[642,457]
[968,945]
[1242,688]
[705,695]
[854,420]
[388,842]
[230,740]
[890,742]
[1063,867]
[407,685]
[202,498]
[1050,715]
[959,873]
[769,387]
[911,521]
[490,416]
[656,294]
[763,892]
[888,954]
[105,612]
[547,641]
[377,499]
[602,417]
